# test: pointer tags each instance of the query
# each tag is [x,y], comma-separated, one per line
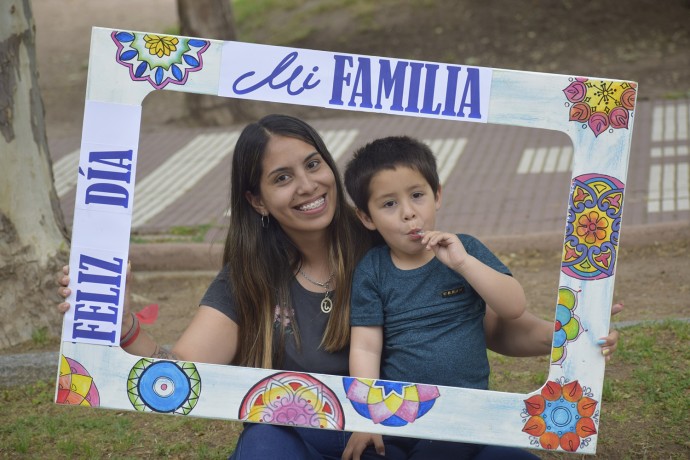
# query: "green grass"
[34,427]
[645,408]
[178,234]
[293,18]
[644,413]
[250,16]
[40,337]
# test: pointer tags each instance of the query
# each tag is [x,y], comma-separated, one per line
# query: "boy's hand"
[358,443]
[447,248]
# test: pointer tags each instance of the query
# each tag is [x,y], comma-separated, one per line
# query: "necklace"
[326,303]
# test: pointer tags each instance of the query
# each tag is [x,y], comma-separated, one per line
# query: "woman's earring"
[265,220]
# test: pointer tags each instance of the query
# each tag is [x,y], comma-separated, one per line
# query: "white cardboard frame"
[125,66]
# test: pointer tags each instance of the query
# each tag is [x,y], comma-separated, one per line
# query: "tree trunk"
[210,19]
[33,242]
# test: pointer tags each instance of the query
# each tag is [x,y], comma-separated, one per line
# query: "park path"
[497,180]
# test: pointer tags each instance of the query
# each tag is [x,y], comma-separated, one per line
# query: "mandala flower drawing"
[159,59]
[75,385]
[292,398]
[567,327]
[562,415]
[390,403]
[593,223]
[164,386]
[601,104]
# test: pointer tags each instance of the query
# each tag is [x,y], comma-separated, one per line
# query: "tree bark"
[33,241]
[210,19]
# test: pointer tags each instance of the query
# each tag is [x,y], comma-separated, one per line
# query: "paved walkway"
[498,180]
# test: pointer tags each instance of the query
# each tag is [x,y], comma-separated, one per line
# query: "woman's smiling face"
[297,187]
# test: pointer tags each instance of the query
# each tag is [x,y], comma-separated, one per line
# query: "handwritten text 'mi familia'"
[355,82]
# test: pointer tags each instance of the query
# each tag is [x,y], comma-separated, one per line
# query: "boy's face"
[401,204]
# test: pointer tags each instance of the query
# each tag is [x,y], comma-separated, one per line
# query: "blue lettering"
[451,90]
[391,83]
[419,87]
[95,313]
[413,90]
[91,333]
[270,80]
[471,90]
[339,78]
[429,88]
[108,194]
[104,159]
[114,267]
[363,79]
[101,298]
[102,307]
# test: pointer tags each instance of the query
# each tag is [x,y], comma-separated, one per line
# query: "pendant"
[326,305]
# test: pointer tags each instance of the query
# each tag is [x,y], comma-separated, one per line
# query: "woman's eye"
[282,178]
[313,164]
[417,194]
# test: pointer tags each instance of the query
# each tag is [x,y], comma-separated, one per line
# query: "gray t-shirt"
[433,320]
[305,309]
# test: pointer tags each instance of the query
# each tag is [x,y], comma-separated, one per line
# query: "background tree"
[210,19]
[33,238]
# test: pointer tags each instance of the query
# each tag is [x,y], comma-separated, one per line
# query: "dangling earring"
[265,220]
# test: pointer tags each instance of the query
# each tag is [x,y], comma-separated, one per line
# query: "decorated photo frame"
[124,66]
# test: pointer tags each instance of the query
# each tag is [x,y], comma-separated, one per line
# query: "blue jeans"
[425,449]
[262,441]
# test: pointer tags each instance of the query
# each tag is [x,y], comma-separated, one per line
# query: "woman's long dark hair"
[263,261]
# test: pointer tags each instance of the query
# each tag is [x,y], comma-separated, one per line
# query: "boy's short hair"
[385,154]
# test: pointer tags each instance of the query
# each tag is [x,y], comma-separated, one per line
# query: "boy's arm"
[366,343]
[502,292]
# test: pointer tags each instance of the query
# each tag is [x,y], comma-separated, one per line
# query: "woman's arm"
[529,335]
[211,337]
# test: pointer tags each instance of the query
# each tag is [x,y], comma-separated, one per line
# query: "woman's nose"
[306,184]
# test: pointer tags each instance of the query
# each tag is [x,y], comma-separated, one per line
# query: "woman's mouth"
[317,203]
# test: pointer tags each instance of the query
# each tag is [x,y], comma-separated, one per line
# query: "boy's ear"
[365,219]
[256,203]
[438,198]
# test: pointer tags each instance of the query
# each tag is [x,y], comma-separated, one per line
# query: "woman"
[292,245]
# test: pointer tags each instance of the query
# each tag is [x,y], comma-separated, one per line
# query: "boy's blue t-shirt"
[433,320]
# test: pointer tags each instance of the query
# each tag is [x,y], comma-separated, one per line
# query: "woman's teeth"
[312,205]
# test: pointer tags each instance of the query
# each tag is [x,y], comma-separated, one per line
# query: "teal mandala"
[159,59]
[164,386]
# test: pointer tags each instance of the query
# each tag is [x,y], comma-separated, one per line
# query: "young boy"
[418,302]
